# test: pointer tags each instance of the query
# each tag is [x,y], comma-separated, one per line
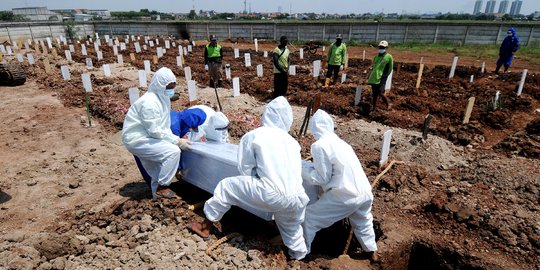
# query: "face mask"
[381,51]
[169,92]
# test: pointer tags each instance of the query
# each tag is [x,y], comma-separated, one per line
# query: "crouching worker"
[214,128]
[346,189]
[147,134]
[271,181]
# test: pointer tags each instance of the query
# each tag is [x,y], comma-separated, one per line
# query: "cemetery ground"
[467,197]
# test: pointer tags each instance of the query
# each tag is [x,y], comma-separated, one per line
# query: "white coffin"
[210,162]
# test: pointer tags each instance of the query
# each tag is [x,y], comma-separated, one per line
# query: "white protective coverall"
[270,163]
[214,128]
[147,131]
[346,189]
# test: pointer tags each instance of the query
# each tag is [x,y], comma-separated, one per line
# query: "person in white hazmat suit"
[346,191]
[214,128]
[271,181]
[147,133]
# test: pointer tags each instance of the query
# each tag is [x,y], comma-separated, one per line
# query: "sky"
[296,6]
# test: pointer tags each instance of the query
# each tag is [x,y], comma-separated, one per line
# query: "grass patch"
[476,51]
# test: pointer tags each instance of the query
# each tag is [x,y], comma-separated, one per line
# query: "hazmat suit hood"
[159,82]
[321,124]
[278,114]
[181,122]
[217,129]
[513,30]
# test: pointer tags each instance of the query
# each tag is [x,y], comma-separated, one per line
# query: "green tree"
[507,17]
[192,15]
[8,16]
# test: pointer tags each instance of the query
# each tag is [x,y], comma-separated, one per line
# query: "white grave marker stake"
[387,138]
[147,66]
[142,78]
[236,53]
[453,68]
[83,50]
[247,59]
[71,48]
[292,70]
[192,90]
[65,73]
[358,95]
[496,100]
[228,71]
[167,44]
[89,63]
[31,59]
[316,68]
[68,55]
[343,77]
[187,72]
[301,53]
[99,55]
[87,83]
[265,54]
[256,45]
[133,95]
[120,59]
[180,50]
[236,86]
[483,69]
[259,70]
[189,48]
[115,50]
[106,70]
[20,57]
[522,82]
[364,55]
[137,47]
[472,79]
[185,51]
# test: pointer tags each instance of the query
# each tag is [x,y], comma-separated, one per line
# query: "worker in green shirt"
[280,58]
[212,60]
[383,63]
[335,60]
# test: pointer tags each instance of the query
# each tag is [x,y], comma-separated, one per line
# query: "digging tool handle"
[306,119]
[217,96]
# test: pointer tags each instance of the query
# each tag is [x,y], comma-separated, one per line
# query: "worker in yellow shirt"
[336,59]
[213,57]
[383,63]
[280,58]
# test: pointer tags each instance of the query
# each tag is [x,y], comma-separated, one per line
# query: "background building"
[515,9]
[490,6]
[37,14]
[478,6]
[503,6]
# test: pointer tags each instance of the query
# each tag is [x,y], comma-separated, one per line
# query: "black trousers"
[281,82]
[332,69]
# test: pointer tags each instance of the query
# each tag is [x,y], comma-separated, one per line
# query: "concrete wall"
[394,32]
[21,32]
[365,32]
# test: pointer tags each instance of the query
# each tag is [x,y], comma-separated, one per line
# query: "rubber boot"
[327,82]
[220,84]
[211,83]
